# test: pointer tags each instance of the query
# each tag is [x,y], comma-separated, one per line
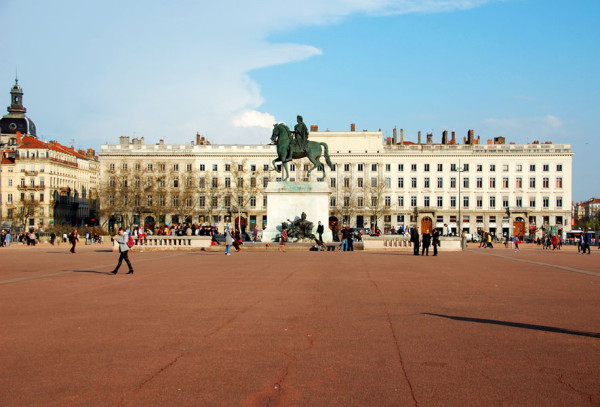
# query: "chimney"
[445,137]
[123,140]
[352,127]
[402,136]
[478,139]
[198,138]
[161,142]
[395,136]
[490,141]
[314,128]
[388,141]
[419,137]
[429,138]
[453,140]
[470,138]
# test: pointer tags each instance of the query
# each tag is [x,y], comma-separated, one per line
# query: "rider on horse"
[300,137]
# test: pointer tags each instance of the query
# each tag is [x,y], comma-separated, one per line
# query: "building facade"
[42,184]
[516,189]
[586,209]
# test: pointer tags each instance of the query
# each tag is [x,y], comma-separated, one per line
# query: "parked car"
[472,237]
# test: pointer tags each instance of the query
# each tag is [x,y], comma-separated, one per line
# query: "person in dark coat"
[73,239]
[237,240]
[320,231]
[435,241]
[414,238]
[426,242]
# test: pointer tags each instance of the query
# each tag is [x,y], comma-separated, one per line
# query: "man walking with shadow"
[123,251]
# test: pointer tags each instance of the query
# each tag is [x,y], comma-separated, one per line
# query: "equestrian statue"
[294,145]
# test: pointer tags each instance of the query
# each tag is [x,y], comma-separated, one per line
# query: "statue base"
[287,200]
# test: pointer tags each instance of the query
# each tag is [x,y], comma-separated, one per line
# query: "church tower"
[16,120]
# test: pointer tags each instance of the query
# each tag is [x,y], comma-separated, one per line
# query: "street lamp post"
[510,226]
[459,169]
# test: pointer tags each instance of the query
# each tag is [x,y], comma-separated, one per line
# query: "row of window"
[189,182]
[9,197]
[190,202]
[439,201]
[347,182]
[360,201]
[452,219]
[427,182]
[347,167]
[454,167]
[188,167]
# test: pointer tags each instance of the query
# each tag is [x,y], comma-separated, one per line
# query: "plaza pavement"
[477,328]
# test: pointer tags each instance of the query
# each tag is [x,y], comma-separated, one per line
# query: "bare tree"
[375,197]
[25,209]
[184,198]
[245,186]
[210,196]
[348,200]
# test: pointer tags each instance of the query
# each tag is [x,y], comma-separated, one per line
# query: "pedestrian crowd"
[548,242]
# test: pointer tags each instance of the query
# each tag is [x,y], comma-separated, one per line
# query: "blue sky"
[523,69]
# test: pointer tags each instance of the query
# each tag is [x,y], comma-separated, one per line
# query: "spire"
[16,99]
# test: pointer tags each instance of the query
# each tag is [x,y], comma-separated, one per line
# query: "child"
[283,239]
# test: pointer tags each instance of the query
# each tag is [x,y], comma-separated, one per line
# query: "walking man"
[320,231]
[73,238]
[123,251]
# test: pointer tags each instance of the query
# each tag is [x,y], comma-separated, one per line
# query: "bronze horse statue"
[288,149]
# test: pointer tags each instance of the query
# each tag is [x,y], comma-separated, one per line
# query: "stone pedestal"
[287,200]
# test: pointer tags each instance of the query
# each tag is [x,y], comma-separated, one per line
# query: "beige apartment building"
[518,189]
[42,184]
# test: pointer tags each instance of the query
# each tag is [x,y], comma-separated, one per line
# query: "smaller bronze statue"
[299,228]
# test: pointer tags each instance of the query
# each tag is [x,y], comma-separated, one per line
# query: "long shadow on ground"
[518,325]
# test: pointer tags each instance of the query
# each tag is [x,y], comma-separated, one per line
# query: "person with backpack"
[125,243]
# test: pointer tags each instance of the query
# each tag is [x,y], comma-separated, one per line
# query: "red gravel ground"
[481,328]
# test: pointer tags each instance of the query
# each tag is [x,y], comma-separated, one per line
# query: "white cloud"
[253,118]
[165,70]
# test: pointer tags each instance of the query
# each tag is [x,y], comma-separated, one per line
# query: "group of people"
[583,243]
[5,238]
[232,238]
[424,240]
[547,242]
[348,237]
[514,242]
[486,241]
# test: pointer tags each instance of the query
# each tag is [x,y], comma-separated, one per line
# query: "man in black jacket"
[414,238]
[435,241]
[426,243]
[320,230]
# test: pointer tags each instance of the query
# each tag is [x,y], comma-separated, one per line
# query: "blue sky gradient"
[523,69]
